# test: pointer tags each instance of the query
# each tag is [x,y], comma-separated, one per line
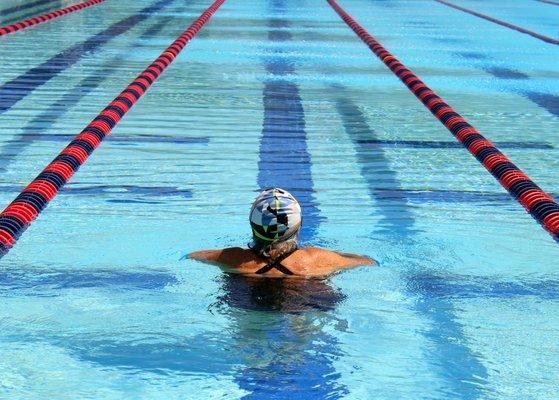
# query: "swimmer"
[275,218]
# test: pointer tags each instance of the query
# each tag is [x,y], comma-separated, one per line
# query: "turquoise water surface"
[96,300]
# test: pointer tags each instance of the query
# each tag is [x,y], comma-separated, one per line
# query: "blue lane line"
[455,362]
[284,157]
[18,88]
[21,7]
[33,131]
[305,371]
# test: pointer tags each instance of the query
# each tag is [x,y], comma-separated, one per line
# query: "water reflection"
[280,333]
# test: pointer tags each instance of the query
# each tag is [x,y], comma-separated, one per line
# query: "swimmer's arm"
[355,260]
[339,260]
[205,255]
[217,257]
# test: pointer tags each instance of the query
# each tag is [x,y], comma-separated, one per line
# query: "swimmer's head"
[275,216]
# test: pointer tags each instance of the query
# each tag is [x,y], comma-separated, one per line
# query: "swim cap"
[275,216]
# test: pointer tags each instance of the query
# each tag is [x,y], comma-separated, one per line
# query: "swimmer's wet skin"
[275,218]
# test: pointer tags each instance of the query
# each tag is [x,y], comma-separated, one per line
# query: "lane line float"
[546,39]
[538,203]
[15,219]
[18,26]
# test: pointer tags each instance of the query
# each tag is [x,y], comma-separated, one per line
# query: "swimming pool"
[98,304]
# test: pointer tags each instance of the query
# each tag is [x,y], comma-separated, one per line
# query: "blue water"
[97,302]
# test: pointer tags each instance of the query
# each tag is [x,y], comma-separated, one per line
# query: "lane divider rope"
[502,23]
[18,26]
[34,198]
[538,203]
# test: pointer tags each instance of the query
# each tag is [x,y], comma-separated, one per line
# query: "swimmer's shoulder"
[306,261]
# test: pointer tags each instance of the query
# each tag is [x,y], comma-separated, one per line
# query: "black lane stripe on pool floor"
[22,7]
[429,144]
[20,87]
[555,3]
[284,159]
[32,135]
[396,221]
[459,366]
[547,101]
[34,130]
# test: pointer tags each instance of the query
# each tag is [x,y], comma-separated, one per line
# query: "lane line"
[546,39]
[538,203]
[435,144]
[21,7]
[33,130]
[21,86]
[397,218]
[456,363]
[284,157]
[549,2]
[15,219]
[308,372]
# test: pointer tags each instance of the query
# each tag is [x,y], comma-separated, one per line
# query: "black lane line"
[18,88]
[388,195]
[479,287]
[120,193]
[41,280]
[555,3]
[305,371]
[432,144]
[397,219]
[30,14]
[548,102]
[33,131]
[284,159]
[422,196]
[21,7]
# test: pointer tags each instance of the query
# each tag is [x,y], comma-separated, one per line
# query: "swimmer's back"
[308,261]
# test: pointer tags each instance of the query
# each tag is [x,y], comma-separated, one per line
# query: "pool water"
[98,301]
